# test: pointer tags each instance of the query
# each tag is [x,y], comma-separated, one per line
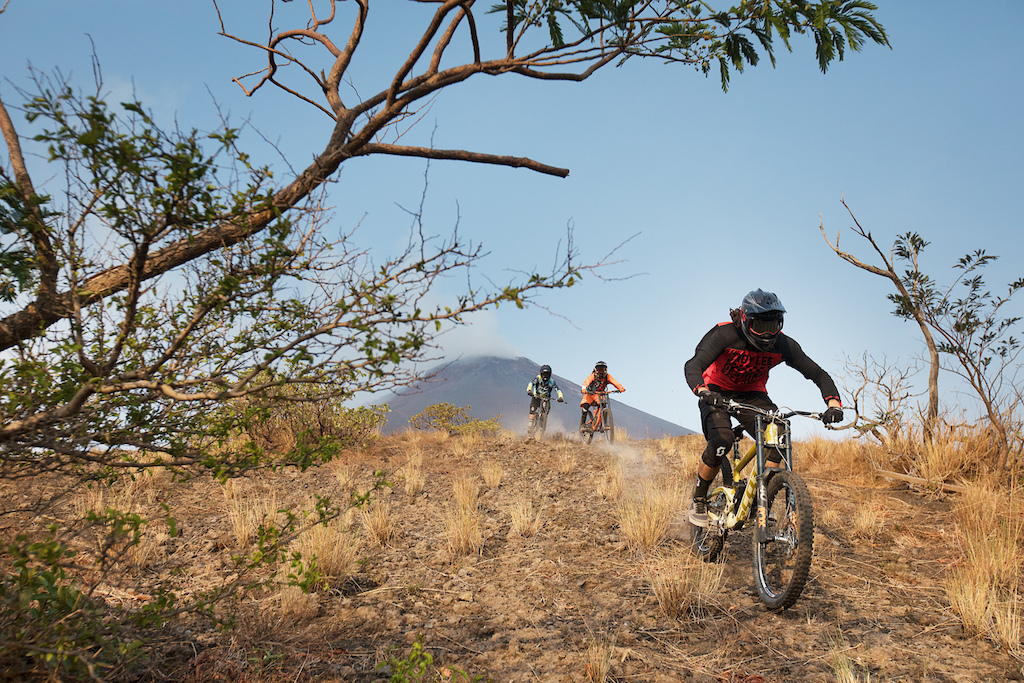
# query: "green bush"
[47,623]
[446,417]
[297,416]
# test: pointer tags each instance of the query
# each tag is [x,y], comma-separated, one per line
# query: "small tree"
[879,393]
[969,321]
[446,417]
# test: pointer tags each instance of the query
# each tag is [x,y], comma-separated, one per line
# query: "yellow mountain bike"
[776,498]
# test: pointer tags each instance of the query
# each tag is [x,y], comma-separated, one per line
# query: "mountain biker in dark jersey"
[541,387]
[598,380]
[732,361]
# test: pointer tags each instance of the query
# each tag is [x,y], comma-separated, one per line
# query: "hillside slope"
[497,386]
[554,605]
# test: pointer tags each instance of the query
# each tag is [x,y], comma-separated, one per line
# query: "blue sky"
[721,192]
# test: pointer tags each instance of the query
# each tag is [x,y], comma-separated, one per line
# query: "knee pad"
[715,450]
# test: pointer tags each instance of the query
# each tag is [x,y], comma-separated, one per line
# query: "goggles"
[765,327]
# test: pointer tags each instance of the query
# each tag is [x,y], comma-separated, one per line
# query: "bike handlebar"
[733,406]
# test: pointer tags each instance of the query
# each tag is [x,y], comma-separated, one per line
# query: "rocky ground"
[576,596]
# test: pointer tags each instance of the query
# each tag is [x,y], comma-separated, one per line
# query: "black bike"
[783,537]
[540,418]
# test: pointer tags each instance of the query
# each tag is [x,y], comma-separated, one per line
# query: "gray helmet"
[761,317]
[600,367]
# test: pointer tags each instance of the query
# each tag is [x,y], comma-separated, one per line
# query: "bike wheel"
[707,542]
[541,425]
[609,426]
[782,562]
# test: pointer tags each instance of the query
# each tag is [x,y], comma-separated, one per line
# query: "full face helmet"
[761,316]
[601,368]
[545,372]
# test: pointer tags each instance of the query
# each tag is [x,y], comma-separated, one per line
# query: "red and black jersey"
[724,358]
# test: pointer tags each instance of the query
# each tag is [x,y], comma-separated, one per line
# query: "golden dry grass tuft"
[646,515]
[611,480]
[867,521]
[567,458]
[334,550]
[597,664]
[525,520]
[248,510]
[846,460]
[462,530]
[465,491]
[465,445]
[843,666]
[377,521]
[414,475]
[984,589]
[491,471]
[685,586]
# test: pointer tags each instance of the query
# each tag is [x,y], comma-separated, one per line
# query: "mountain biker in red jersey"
[541,387]
[598,380]
[732,362]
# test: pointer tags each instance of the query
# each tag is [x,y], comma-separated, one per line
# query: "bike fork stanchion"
[761,528]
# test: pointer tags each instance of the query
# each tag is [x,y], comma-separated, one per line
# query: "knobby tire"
[540,423]
[587,430]
[609,426]
[782,562]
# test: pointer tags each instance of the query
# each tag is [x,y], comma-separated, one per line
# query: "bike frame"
[772,430]
[596,422]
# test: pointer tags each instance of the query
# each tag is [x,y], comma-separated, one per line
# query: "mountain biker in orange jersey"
[732,362]
[541,387]
[598,380]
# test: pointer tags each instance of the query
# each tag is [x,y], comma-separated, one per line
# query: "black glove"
[561,400]
[832,415]
[530,394]
[713,399]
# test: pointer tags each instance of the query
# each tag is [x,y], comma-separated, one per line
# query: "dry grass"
[465,445]
[248,511]
[867,521]
[465,491]
[462,530]
[598,662]
[127,494]
[952,452]
[567,459]
[334,549]
[669,446]
[297,605]
[491,471]
[842,665]
[847,460]
[344,475]
[415,477]
[685,586]
[985,587]
[611,480]
[646,516]
[525,520]
[377,523]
